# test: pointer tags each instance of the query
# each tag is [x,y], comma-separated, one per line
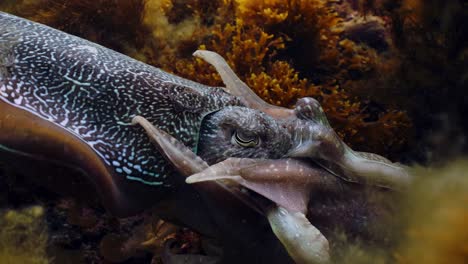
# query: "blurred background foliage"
[23,236]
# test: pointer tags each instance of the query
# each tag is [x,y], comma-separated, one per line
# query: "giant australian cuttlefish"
[72,103]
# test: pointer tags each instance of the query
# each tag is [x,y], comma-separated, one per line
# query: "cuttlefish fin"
[52,150]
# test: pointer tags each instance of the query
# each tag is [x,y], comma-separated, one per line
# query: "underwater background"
[390,75]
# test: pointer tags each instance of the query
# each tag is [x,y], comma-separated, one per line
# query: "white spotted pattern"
[94,93]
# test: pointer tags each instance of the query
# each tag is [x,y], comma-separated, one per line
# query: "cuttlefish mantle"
[68,101]
[7,57]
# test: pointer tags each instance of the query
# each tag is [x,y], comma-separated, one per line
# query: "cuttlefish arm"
[237,87]
[304,242]
[286,182]
[319,141]
[186,162]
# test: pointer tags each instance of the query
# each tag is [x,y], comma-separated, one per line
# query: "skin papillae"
[72,104]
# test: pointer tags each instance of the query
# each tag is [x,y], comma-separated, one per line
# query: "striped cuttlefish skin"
[93,93]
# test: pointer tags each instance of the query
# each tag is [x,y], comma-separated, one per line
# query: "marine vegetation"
[23,236]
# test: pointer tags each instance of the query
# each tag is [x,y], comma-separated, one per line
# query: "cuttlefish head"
[308,134]
[242,132]
[278,153]
[264,131]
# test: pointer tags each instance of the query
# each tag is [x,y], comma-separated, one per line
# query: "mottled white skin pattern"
[93,93]
[174,151]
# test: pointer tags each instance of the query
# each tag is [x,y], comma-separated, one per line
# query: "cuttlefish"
[137,134]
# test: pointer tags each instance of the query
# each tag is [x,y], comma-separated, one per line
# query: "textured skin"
[93,93]
[216,135]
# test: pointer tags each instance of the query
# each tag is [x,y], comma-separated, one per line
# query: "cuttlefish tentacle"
[305,244]
[314,136]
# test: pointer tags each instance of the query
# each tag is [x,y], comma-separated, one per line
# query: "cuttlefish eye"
[236,131]
[244,140]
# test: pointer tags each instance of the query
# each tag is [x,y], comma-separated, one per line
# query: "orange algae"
[152,236]
[298,51]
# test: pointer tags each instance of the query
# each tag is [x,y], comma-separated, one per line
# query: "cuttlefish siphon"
[74,104]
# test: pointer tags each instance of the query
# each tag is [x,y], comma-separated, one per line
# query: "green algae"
[23,238]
